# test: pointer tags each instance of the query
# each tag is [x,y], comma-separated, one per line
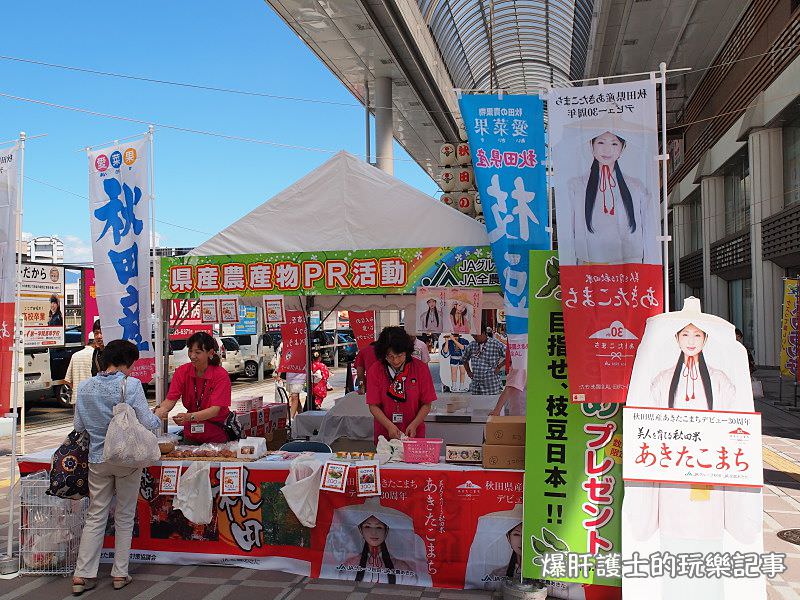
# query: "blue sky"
[202,183]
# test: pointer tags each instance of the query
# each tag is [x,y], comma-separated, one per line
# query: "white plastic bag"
[194,494]
[758,388]
[301,489]
[128,442]
[389,450]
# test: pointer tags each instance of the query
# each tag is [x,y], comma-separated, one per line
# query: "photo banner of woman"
[691,360]
[42,305]
[119,213]
[604,145]
[294,353]
[363,326]
[506,138]
[8,269]
[573,455]
[789,330]
[431,310]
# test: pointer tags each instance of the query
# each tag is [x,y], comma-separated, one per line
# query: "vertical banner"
[293,336]
[506,136]
[604,147]
[791,290]
[573,455]
[119,212]
[692,539]
[363,325]
[8,269]
[89,302]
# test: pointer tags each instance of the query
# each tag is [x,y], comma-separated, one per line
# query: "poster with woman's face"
[430,303]
[375,544]
[691,360]
[463,310]
[604,141]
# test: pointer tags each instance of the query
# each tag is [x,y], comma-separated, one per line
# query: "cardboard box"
[505,431]
[503,457]
[463,454]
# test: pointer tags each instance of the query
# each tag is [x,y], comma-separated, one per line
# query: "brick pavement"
[781,427]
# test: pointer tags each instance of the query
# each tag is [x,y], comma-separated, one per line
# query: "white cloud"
[76,250]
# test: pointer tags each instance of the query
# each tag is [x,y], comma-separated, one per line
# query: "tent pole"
[309,352]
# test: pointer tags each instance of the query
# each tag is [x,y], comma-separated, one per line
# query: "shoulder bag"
[69,468]
[128,442]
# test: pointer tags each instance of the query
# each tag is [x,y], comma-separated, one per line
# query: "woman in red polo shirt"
[399,387]
[205,390]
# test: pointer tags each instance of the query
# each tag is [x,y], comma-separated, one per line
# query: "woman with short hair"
[94,409]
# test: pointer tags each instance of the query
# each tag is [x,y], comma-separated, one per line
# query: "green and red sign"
[392,271]
[573,454]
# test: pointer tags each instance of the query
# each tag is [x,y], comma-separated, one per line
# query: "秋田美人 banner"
[119,212]
[604,146]
[506,138]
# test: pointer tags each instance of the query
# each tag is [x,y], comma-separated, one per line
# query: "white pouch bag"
[301,489]
[128,442]
[194,494]
[389,450]
[758,388]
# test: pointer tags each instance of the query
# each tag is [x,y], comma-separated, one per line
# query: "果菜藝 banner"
[789,333]
[506,138]
[573,454]
[692,373]
[390,271]
[604,147]
[9,200]
[119,212]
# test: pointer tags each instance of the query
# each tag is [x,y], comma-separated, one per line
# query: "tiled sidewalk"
[781,428]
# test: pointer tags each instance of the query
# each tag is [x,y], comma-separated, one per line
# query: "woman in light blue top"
[94,407]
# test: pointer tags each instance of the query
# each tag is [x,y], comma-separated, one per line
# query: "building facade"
[734,187]
[46,249]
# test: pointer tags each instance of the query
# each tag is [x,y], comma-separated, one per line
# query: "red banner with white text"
[295,350]
[8,269]
[363,326]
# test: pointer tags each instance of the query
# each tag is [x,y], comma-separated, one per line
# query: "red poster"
[295,350]
[363,325]
[89,302]
[6,355]
[185,320]
[605,310]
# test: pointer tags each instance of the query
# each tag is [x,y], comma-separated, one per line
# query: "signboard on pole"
[293,337]
[9,202]
[573,452]
[41,305]
[506,138]
[119,212]
[789,329]
[604,146]
[363,325]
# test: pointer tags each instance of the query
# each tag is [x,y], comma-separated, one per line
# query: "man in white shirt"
[85,363]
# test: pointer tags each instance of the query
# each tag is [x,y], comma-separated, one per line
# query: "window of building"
[740,307]
[791,162]
[737,194]
[694,224]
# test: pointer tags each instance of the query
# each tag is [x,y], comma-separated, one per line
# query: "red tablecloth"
[433,526]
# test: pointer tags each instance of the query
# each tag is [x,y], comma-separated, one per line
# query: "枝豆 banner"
[119,212]
[506,138]
[8,268]
[388,271]
[789,333]
[604,147]
[573,456]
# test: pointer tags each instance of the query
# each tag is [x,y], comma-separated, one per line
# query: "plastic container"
[422,450]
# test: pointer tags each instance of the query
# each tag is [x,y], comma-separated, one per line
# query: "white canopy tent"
[347,204]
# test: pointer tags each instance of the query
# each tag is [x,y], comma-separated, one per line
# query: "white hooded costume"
[345,543]
[680,518]
[611,240]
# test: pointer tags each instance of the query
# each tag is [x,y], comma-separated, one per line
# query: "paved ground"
[163,582]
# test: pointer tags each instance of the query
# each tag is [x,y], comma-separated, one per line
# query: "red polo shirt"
[213,389]
[419,390]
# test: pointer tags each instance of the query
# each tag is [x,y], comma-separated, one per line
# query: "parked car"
[229,354]
[45,368]
[248,345]
[323,342]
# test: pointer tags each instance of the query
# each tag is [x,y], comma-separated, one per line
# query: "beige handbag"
[128,442]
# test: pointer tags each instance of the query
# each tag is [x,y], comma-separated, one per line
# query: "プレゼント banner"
[604,145]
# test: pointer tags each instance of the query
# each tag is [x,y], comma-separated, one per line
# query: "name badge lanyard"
[198,427]
[397,415]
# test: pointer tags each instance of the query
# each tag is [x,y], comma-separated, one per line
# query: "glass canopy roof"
[519,46]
